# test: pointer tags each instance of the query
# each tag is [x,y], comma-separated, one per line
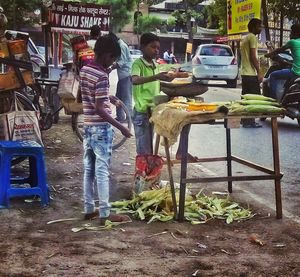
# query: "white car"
[215,62]
[135,53]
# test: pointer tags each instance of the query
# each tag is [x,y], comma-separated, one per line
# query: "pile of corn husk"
[157,205]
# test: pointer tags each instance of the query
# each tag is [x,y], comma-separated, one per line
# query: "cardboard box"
[71,106]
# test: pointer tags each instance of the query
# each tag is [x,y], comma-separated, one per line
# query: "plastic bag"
[68,85]
[147,171]
[21,125]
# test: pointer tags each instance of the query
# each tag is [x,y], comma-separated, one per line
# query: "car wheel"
[232,83]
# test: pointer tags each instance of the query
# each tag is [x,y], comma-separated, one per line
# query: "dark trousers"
[250,85]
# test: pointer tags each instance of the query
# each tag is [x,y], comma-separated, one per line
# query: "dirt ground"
[31,247]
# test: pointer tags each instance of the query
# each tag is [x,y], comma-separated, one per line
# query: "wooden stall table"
[228,122]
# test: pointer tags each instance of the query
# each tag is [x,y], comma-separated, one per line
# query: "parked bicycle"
[41,95]
[119,139]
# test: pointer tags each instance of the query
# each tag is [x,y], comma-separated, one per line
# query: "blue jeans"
[124,93]
[97,145]
[143,133]
[276,77]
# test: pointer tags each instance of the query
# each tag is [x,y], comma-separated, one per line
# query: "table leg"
[185,142]
[166,141]
[276,167]
[228,154]
[150,130]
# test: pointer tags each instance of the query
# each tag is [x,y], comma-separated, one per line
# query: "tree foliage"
[289,9]
[218,14]
[184,17]
[20,13]
[148,24]
[120,12]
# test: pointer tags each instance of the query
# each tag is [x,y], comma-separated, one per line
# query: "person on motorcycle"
[167,56]
[286,74]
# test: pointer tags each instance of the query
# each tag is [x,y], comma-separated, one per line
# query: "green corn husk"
[257,97]
[255,109]
[258,102]
[156,205]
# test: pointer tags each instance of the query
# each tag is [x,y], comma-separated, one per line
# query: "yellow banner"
[239,13]
[189,47]
[235,37]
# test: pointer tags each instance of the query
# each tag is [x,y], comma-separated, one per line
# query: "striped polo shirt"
[94,84]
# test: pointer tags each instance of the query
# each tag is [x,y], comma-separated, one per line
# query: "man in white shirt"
[167,56]
[124,86]
[95,32]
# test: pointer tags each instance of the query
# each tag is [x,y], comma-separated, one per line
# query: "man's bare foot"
[190,158]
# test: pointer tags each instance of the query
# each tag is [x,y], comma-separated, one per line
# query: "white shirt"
[166,56]
[91,43]
[124,62]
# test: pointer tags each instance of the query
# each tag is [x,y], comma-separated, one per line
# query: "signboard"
[189,47]
[235,37]
[239,13]
[221,39]
[78,18]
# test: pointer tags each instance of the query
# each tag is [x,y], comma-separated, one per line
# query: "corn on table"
[228,122]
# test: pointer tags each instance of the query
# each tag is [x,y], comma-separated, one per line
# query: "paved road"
[251,144]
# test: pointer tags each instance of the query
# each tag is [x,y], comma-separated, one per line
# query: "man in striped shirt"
[98,133]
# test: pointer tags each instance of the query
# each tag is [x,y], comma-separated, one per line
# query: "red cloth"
[148,166]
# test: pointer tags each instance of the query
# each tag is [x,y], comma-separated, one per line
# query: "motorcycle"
[288,92]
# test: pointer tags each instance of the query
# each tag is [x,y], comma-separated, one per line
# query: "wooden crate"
[4,50]
[17,46]
[71,106]
[9,80]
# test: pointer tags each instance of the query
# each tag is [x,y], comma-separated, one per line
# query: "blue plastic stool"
[37,175]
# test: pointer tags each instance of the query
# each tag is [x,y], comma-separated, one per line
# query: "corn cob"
[255,109]
[257,97]
[258,102]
